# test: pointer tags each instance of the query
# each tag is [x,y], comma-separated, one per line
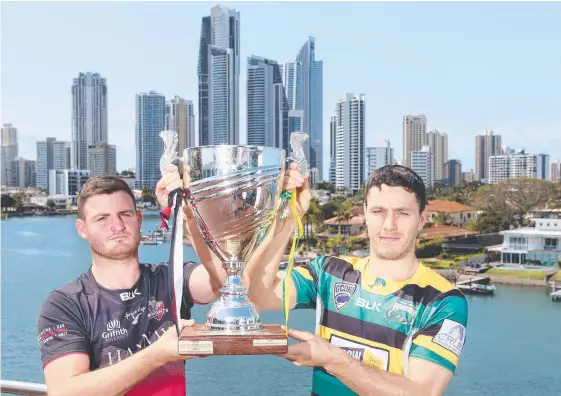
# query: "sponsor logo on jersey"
[402,312]
[369,305]
[130,295]
[114,331]
[156,309]
[369,355]
[50,333]
[111,355]
[452,336]
[342,293]
[134,315]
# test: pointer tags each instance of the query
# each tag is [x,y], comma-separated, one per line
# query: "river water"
[513,338]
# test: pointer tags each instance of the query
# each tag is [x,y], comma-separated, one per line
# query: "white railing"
[22,388]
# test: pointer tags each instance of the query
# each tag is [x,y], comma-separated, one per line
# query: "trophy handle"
[171,140]
[297,140]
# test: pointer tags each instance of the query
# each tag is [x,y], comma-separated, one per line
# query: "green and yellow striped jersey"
[381,323]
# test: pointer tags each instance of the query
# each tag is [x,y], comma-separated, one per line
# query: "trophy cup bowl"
[234,196]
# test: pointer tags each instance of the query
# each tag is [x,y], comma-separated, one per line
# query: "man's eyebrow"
[107,214]
[398,209]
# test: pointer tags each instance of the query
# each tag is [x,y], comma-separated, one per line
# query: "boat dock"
[477,285]
[556,292]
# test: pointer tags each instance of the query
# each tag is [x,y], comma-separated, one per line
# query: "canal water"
[513,338]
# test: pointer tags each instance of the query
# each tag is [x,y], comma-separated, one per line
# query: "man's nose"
[117,224]
[390,222]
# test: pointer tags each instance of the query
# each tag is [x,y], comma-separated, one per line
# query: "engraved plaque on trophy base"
[200,341]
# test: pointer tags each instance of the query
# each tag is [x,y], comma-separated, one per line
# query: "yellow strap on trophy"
[293,202]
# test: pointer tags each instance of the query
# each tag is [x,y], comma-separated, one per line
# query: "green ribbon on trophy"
[289,201]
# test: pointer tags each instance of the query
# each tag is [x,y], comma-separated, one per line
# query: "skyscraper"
[180,117]
[303,84]
[332,149]
[267,108]
[452,172]
[150,121]
[219,77]
[414,129]
[102,159]
[486,145]
[349,156]
[422,162]
[438,143]
[8,153]
[51,155]
[518,165]
[89,116]
[377,157]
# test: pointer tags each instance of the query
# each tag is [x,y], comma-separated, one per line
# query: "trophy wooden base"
[198,340]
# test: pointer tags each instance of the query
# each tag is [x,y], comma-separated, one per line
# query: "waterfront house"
[444,232]
[460,214]
[540,244]
[343,226]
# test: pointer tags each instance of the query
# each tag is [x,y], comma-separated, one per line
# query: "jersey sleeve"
[305,279]
[187,301]
[60,329]
[443,335]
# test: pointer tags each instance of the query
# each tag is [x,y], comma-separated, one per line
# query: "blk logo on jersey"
[342,293]
[130,295]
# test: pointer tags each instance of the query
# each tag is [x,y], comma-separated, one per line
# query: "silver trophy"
[234,197]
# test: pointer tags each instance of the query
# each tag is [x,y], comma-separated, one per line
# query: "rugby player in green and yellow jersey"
[385,324]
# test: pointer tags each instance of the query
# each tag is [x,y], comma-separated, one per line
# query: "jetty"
[556,292]
[477,285]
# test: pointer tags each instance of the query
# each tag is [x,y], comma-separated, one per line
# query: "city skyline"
[506,82]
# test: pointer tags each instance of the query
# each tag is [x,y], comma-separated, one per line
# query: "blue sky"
[467,66]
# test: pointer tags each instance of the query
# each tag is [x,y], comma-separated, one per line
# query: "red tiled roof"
[448,207]
[444,231]
[356,220]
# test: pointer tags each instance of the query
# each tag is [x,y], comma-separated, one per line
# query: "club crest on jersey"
[403,312]
[156,309]
[342,293]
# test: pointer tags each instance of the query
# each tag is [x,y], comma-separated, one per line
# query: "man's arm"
[206,280]
[262,277]
[70,375]
[424,379]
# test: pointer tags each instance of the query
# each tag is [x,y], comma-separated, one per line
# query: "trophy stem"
[233,311]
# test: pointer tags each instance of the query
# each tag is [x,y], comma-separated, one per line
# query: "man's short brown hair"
[102,185]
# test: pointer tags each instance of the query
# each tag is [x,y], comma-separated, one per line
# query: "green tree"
[50,204]
[508,202]
[442,218]
[325,185]
[148,195]
[7,201]
[19,199]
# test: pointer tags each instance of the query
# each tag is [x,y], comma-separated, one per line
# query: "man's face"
[393,220]
[111,225]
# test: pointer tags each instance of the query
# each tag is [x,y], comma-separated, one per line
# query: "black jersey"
[111,325]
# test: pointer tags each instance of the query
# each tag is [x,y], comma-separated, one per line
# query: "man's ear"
[81,228]
[139,217]
[423,219]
